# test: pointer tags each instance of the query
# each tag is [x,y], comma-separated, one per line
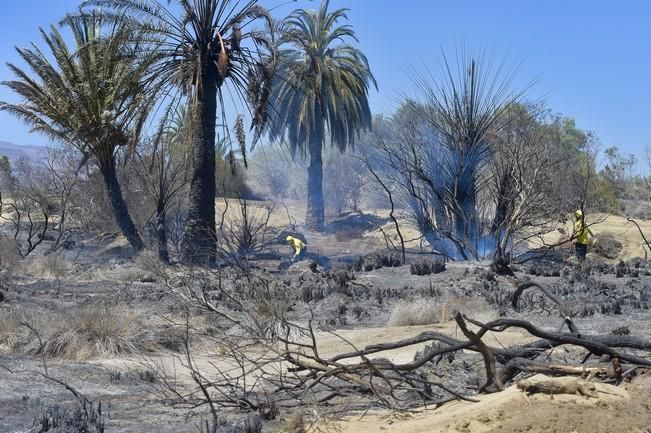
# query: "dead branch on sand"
[269,362]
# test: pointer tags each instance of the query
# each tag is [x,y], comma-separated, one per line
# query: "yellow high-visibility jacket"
[296,244]
[581,232]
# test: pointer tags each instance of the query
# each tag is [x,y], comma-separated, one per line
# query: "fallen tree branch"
[563,309]
[595,345]
[493,381]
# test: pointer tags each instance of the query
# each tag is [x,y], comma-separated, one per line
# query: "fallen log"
[529,366]
[555,386]
[595,345]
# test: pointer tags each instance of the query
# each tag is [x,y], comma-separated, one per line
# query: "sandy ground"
[617,409]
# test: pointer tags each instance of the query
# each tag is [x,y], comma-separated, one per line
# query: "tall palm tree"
[90,96]
[321,89]
[207,48]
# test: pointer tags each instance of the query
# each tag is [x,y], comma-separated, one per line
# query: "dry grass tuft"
[49,266]
[9,257]
[149,262]
[295,424]
[98,331]
[473,306]
[9,330]
[84,333]
[416,312]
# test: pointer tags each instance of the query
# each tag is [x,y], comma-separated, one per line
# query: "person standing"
[580,235]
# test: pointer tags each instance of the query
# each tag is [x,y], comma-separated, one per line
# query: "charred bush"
[604,268]
[573,275]
[614,307]
[608,247]
[87,418]
[427,267]
[311,293]
[621,269]
[545,268]
[358,311]
[342,277]
[484,275]
[346,233]
[501,266]
[586,311]
[251,424]
[622,330]
[374,261]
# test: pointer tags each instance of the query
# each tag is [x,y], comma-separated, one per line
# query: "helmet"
[578,213]
[289,238]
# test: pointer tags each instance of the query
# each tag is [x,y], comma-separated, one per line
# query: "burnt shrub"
[87,418]
[342,277]
[378,260]
[621,269]
[347,233]
[427,267]
[608,247]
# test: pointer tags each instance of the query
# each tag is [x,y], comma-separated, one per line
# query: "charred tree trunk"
[465,223]
[503,208]
[161,235]
[119,206]
[199,239]
[315,214]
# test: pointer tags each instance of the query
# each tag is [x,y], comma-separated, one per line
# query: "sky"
[588,59]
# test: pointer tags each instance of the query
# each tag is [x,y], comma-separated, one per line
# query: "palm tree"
[321,89]
[90,97]
[200,53]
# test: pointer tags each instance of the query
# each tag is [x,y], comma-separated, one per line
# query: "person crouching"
[299,248]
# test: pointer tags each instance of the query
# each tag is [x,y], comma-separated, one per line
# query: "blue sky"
[589,59]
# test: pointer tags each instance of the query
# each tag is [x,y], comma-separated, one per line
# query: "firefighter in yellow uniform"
[299,248]
[580,235]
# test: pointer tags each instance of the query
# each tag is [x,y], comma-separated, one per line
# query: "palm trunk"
[465,225]
[315,214]
[199,239]
[161,235]
[119,206]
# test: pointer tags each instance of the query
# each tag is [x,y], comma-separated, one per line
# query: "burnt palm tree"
[162,168]
[321,90]
[209,48]
[462,109]
[89,96]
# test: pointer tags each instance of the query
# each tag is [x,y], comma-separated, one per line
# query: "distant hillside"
[15,151]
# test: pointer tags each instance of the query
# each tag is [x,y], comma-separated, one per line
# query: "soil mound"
[514,411]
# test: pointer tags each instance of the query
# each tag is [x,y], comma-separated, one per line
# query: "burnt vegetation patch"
[377,260]
[427,267]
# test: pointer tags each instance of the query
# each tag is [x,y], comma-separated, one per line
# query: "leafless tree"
[62,177]
[527,182]
[36,201]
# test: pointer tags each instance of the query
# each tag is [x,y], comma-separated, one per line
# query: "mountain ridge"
[15,151]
